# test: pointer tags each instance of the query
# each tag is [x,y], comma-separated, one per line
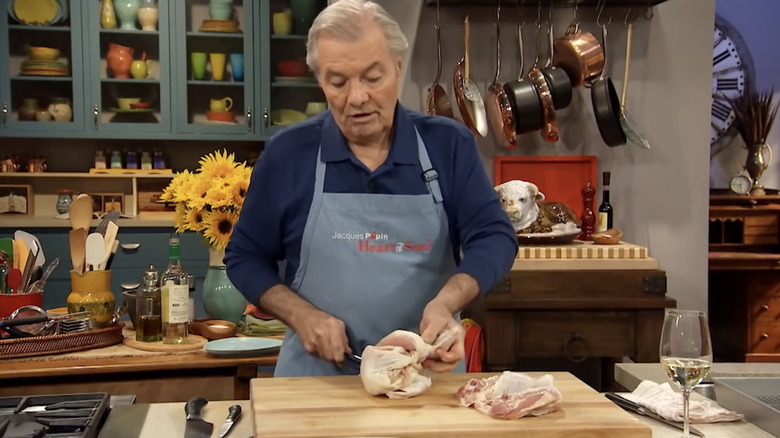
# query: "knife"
[233,413]
[637,409]
[76,404]
[197,427]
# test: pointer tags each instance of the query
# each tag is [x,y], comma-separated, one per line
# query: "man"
[385,217]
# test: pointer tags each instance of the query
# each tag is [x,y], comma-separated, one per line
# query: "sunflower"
[175,189]
[196,193]
[218,165]
[219,196]
[219,227]
[194,219]
[180,218]
[238,187]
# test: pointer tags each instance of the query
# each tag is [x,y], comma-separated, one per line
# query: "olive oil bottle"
[148,308]
[175,293]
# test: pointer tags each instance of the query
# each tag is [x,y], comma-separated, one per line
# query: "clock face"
[728,81]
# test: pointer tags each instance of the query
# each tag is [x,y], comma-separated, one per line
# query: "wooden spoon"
[81,212]
[78,248]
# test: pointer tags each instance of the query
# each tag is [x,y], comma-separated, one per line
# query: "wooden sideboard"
[574,315]
[744,277]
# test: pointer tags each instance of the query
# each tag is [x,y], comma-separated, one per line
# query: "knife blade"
[197,427]
[638,409]
[233,413]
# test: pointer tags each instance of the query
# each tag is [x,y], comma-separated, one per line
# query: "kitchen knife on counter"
[631,406]
[233,413]
[197,427]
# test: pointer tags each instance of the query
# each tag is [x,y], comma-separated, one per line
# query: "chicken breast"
[394,366]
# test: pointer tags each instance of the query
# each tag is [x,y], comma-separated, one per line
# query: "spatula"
[78,243]
[96,250]
[111,229]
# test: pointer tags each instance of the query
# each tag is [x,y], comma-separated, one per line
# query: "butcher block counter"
[339,407]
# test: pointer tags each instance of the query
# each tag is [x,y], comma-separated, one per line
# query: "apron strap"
[430,175]
[316,202]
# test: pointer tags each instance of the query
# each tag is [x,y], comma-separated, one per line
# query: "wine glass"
[686,352]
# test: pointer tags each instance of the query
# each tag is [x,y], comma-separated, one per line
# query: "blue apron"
[373,261]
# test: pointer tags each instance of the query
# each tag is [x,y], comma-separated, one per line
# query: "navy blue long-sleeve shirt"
[276,208]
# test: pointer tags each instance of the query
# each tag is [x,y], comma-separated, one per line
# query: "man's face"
[360,81]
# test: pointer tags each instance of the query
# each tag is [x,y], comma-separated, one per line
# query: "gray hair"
[345,19]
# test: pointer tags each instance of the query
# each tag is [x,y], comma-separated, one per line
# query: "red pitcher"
[119,59]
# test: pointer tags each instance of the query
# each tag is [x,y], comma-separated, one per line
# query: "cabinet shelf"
[130,81]
[42,78]
[39,28]
[216,83]
[283,84]
[238,36]
[289,37]
[129,32]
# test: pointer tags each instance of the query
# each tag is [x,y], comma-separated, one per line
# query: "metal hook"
[438,19]
[539,15]
[576,5]
[649,13]
[628,14]
[519,12]
[601,5]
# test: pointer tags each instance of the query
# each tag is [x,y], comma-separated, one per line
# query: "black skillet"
[523,98]
[557,78]
[606,104]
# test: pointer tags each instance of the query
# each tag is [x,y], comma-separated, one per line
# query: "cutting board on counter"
[338,406]
[582,250]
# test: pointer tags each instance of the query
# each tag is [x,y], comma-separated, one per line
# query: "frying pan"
[579,54]
[606,105]
[549,129]
[497,105]
[557,78]
[523,97]
[438,103]
[470,104]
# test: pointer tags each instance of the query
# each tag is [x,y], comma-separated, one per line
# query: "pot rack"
[554,3]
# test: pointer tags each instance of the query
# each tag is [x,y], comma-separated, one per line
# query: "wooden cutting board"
[340,407]
[582,250]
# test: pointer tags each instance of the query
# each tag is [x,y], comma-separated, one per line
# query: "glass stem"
[686,393]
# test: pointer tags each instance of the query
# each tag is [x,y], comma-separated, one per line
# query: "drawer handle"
[764,308]
[130,246]
[764,336]
[575,337]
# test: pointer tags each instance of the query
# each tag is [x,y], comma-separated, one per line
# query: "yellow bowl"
[44,53]
[287,117]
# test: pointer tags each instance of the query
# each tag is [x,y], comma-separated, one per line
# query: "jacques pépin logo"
[380,242]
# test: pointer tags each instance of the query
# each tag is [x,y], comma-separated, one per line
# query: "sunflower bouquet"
[209,200]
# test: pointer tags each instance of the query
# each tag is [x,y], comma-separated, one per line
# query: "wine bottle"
[175,293]
[605,209]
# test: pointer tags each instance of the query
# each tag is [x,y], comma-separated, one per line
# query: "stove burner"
[43,416]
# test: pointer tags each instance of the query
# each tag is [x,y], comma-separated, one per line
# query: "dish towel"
[668,403]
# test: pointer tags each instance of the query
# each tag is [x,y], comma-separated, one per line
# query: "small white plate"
[243,346]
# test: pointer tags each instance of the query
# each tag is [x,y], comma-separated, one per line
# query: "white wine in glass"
[686,352]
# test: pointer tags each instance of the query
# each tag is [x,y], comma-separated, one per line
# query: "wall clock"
[732,74]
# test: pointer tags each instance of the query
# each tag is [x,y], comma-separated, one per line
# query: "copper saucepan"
[470,104]
[437,102]
[579,53]
[549,129]
[497,105]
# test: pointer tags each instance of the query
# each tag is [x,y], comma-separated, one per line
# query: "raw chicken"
[394,366]
[511,395]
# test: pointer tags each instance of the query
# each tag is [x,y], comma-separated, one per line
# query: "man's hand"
[436,319]
[324,336]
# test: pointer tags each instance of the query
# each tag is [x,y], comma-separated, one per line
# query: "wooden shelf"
[116,174]
[143,220]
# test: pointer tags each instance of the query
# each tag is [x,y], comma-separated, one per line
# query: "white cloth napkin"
[668,403]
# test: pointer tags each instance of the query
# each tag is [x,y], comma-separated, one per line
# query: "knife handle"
[624,403]
[233,413]
[194,406]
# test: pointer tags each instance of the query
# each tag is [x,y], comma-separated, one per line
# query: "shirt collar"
[403,150]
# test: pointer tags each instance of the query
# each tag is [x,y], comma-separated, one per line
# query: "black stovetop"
[61,415]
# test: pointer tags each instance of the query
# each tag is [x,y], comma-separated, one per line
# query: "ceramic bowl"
[292,68]
[284,117]
[39,53]
[221,116]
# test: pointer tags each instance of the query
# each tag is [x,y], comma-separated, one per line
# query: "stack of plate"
[44,68]
[39,12]
[229,26]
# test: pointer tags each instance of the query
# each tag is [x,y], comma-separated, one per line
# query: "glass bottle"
[146,160]
[132,160]
[175,294]
[116,160]
[149,308]
[605,209]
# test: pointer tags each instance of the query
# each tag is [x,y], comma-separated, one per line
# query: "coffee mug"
[221,105]
[217,65]
[282,23]
[198,60]
[237,66]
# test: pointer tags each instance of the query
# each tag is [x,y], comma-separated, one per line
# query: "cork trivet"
[194,342]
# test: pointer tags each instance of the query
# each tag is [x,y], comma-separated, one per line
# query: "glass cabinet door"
[215,59]
[129,65]
[293,92]
[41,76]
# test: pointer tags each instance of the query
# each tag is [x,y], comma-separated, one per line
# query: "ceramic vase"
[755,164]
[92,291]
[221,300]
[119,58]
[107,15]
[127,11]
[148,15]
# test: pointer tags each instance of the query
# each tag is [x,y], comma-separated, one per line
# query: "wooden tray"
[339,407]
